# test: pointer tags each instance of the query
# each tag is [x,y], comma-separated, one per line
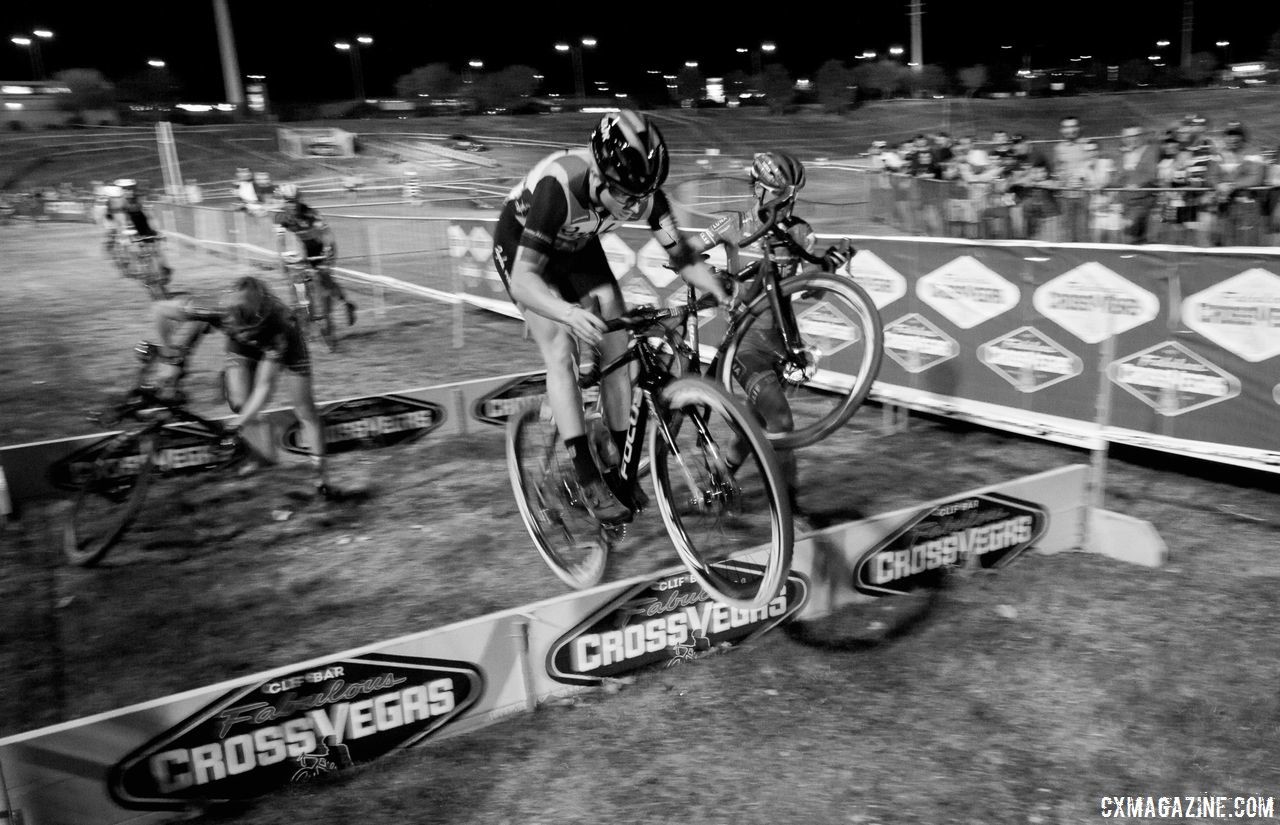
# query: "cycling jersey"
[307,224]
[553,212]
[130,209]
[274,336]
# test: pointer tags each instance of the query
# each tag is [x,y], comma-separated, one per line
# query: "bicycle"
[111,476]
[819,316]
[138,258]
[312,305]
[730,524]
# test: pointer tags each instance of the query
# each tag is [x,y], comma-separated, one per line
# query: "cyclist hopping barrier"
[163,759]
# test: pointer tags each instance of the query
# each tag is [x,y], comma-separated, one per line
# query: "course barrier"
[162,760]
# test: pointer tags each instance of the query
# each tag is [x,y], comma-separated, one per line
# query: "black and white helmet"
[630,154]
[780,174]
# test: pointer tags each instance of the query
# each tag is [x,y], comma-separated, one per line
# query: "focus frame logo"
[289,728]
[369,423]
[988,530]
[662,623]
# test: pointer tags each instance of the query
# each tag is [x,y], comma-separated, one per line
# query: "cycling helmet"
[629,153]
[780,174]
[287,191]
[127,183]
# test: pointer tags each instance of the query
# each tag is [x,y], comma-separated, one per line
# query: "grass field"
[1022,697]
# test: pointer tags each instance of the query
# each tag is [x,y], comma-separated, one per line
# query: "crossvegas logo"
[497,406]
[366,423]
[663,623]
[182,448]
[295,727]
[988,531]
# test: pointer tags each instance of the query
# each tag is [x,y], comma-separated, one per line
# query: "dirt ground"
[1022,698]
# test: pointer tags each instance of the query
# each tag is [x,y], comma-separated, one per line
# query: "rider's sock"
[583,464]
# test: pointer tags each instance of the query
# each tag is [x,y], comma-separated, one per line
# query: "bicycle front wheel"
[109,500]
[830,373]
[569,540]
[721,493]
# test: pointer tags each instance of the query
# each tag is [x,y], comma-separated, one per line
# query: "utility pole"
[1188,14]
[916,11]
[227,48]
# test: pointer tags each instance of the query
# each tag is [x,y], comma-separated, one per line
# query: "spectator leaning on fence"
[1071,173]
[1135,171]
[1234,174]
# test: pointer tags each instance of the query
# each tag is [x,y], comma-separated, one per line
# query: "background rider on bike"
[776,178]
[125,212]
[264,343]
[316,238]
[547,251]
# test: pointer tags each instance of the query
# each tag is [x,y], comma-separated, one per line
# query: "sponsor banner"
[662,623]
[986,531]
[295,727]
[183,449]
[1193,337]
[49,468]
[368,423]
[494,407]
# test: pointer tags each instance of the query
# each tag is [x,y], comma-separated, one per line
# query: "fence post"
[459,290]
[375,268]
[239,235]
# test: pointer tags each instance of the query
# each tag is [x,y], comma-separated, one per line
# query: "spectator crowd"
[1186,185]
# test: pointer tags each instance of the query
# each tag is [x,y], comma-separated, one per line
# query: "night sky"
[292,43]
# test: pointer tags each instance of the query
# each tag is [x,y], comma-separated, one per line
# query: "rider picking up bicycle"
[264,344]
[776,178]
[548,253]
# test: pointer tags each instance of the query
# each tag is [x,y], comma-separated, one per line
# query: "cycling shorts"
[296,357]
[572,274]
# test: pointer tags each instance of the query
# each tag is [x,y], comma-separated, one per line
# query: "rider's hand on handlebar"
[701,277]
[584,324]
[837,255]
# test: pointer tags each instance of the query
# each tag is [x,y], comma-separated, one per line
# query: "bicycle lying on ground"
[111,477]
[730,524]
[138,257]
[829,343]
[312,304]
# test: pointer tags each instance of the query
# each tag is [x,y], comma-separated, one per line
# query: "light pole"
[353,51]
[1225,45]
[31,42]
[575,52]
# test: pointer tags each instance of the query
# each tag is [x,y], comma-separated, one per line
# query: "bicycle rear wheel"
[731,526]
[109,500]
[569,540]
[842,340]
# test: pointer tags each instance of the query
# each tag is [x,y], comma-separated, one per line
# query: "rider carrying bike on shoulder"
[547,251]
[776,178]
[316,238]
[264,344]
[124,212]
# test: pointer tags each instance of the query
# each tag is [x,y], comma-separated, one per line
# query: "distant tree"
[835,86]
[973,78]
[690,84]
[506,87]
[885,76]
[433,80]
[779,87]
[931,79]
[1273,50]
[89,90]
